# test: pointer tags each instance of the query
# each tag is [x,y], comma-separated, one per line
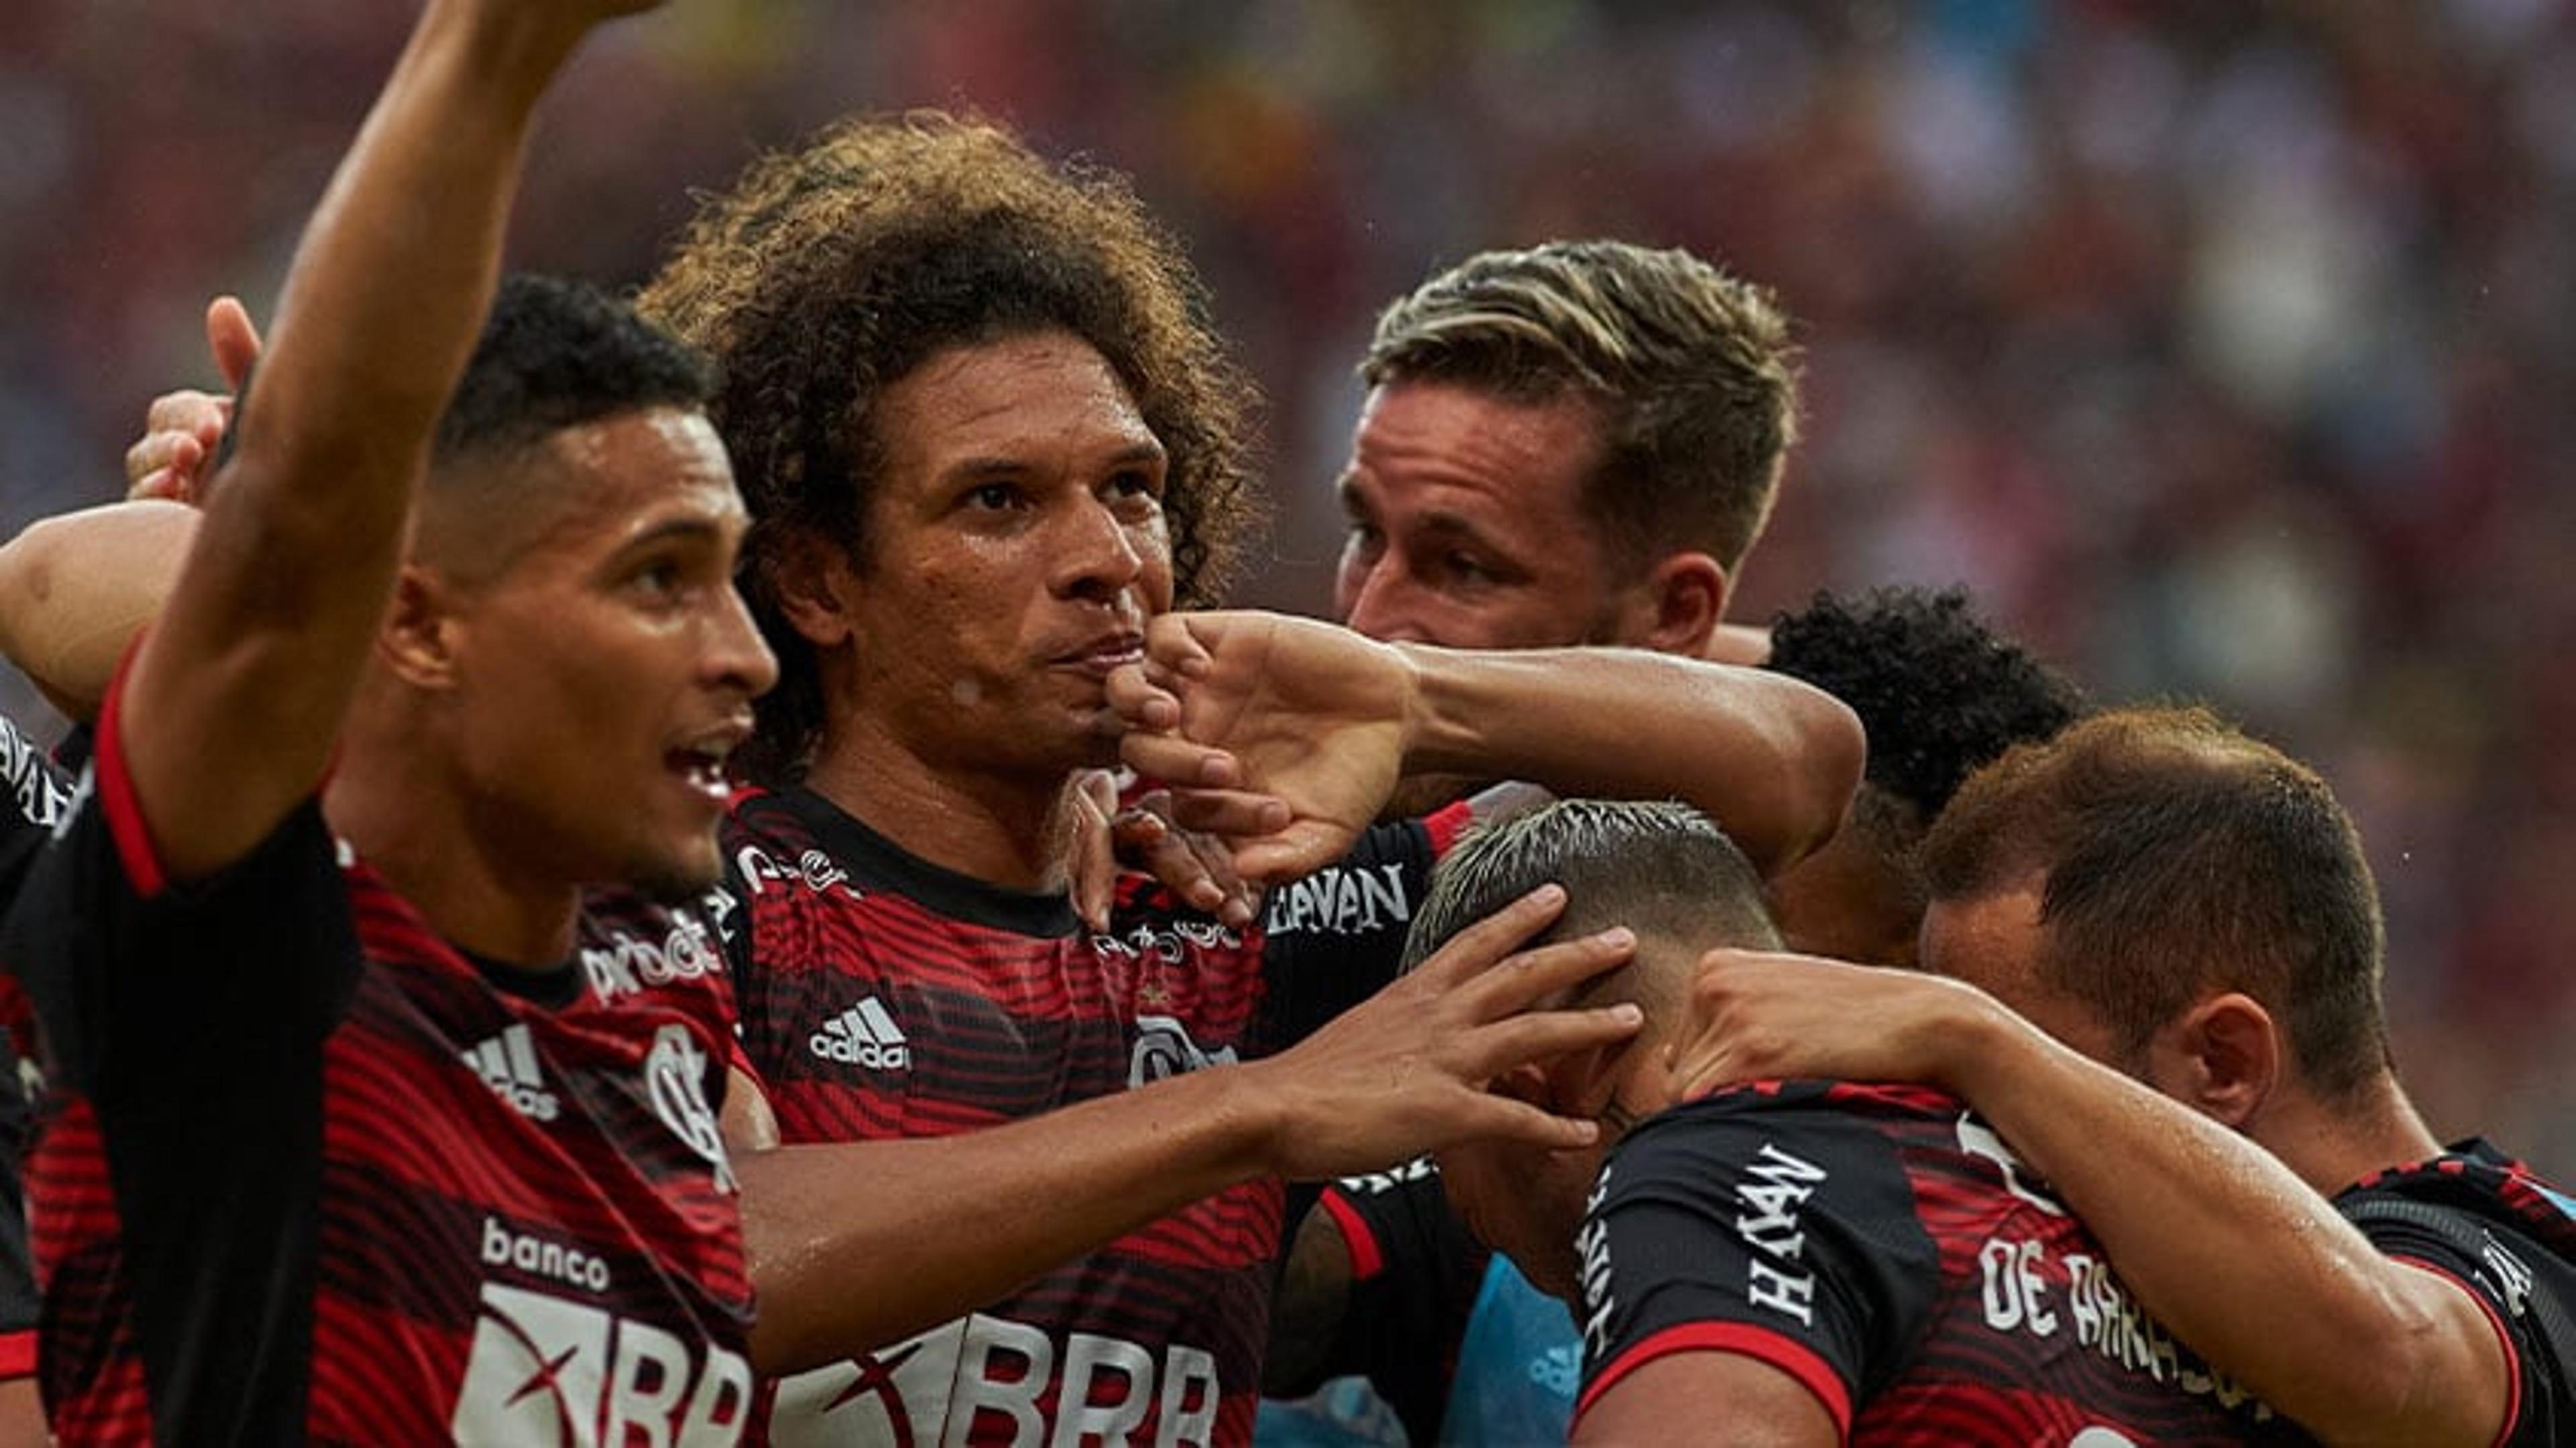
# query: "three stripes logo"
[863,1035]
[507,1062]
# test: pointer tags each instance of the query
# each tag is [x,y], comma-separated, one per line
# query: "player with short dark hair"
[2187,910]
[1793,1261]
[1449,1334]
[335,1160]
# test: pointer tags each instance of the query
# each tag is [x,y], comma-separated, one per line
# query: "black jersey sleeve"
[2508,1238]
[168,998]
[35,797]
[1336,937]
[190,1020]
[1415,1273]
[1765,1225]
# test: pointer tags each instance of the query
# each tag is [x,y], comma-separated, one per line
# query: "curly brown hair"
[829,273]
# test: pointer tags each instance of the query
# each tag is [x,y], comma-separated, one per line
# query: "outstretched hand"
[1406,1071]
[181,430]
[1283,735]
[1768,1015]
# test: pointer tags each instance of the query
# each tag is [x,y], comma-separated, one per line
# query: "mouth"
[699,761]
[1104,655]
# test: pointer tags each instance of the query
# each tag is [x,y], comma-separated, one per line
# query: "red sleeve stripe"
[116,796]
[1446,824]
[2512,1359]
[1367,1258]
[1788,1355]
[18,1354]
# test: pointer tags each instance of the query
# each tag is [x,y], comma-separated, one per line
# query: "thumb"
[232,337]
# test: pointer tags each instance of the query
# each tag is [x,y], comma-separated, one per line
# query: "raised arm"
[855,1244]
[257,655]
[2218,1239]
[1327,720]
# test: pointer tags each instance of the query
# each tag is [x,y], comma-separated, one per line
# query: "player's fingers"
[1183,763]
[1237,901]
[1498,1046]
[1094,863]
[1230,814]
[1500,1118]
[1170,645]
[160,484]
[1141,702]
[233,339]
[1171,860]
[1476,948]
[187,410]
[1528,977]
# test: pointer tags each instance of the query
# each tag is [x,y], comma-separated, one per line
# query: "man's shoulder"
[2472,1180]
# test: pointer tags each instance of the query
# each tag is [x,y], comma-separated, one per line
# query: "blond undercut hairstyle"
[1692,373]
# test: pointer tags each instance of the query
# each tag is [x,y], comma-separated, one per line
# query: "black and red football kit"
[883,996]
[1881,1246]
[314,1175]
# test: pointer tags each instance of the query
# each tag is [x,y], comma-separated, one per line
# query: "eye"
[1136,483]
[994,497]
[1469,569]
[660,578]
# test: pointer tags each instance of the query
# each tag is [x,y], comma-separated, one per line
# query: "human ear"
[1685,596]
[422,637]
[2223,1057]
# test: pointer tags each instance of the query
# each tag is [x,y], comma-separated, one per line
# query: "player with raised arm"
[236,1020]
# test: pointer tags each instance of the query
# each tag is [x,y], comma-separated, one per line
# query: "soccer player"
[1573,443]
[1391,1284]
[1792,1262]
[280,1205]
[2188,911]
[987,442]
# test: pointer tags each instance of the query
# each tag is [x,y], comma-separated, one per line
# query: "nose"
[1096,552]
[736,653]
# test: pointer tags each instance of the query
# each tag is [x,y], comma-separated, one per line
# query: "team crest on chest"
[675,1074]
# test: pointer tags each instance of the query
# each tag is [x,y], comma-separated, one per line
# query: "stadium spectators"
[2217,346]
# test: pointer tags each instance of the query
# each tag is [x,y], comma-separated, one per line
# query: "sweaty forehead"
[1043,390]
[1448,441]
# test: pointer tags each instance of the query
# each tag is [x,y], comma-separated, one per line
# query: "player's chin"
[676,871]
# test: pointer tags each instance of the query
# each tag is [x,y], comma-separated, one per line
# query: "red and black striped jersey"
[35,797]
[312,1174]
[1883,1247]
[882,996]
[2508,1237]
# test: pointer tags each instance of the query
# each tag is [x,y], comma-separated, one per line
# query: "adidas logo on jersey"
[864,1035]
[507,1062]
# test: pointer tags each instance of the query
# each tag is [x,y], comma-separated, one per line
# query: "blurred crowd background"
[2226,349]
